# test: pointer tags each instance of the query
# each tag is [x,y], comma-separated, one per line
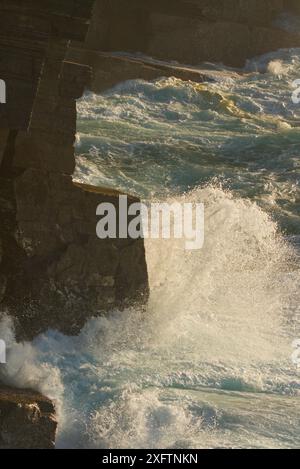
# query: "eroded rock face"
[68,274]
[27,420]
[191,31]
[54,272]
[37,133]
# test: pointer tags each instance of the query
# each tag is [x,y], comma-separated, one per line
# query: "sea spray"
[208,362]
[189,370]
[166,137]
[24,367]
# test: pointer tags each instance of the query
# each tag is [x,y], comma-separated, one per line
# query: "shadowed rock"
[191,31]
[54,271]
[27,420]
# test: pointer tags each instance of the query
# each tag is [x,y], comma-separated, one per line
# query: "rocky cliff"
[186,31]
[191,31]
[54,271]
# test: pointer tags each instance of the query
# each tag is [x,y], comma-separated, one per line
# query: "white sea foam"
[174,375]
[276,67]
[207,362]
[169,136]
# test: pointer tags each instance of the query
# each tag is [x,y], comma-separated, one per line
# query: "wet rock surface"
[27,420]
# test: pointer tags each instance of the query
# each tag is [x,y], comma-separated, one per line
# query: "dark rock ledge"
[110,69]
[27,420]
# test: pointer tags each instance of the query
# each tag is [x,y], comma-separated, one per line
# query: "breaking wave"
[169,136]
[207,363]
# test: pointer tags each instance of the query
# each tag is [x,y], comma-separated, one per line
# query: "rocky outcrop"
[191,31]
[54,272]
[27,420]
[33,42]
[68,274]
[111,69]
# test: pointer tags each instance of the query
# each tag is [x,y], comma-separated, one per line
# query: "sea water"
[209,361]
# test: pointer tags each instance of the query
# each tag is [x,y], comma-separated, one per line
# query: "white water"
[170,136]
[206,364]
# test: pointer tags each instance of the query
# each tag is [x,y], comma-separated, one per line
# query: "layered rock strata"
[191,31]
[54,272]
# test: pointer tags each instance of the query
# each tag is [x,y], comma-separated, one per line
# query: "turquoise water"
[207,363]
[170,136]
